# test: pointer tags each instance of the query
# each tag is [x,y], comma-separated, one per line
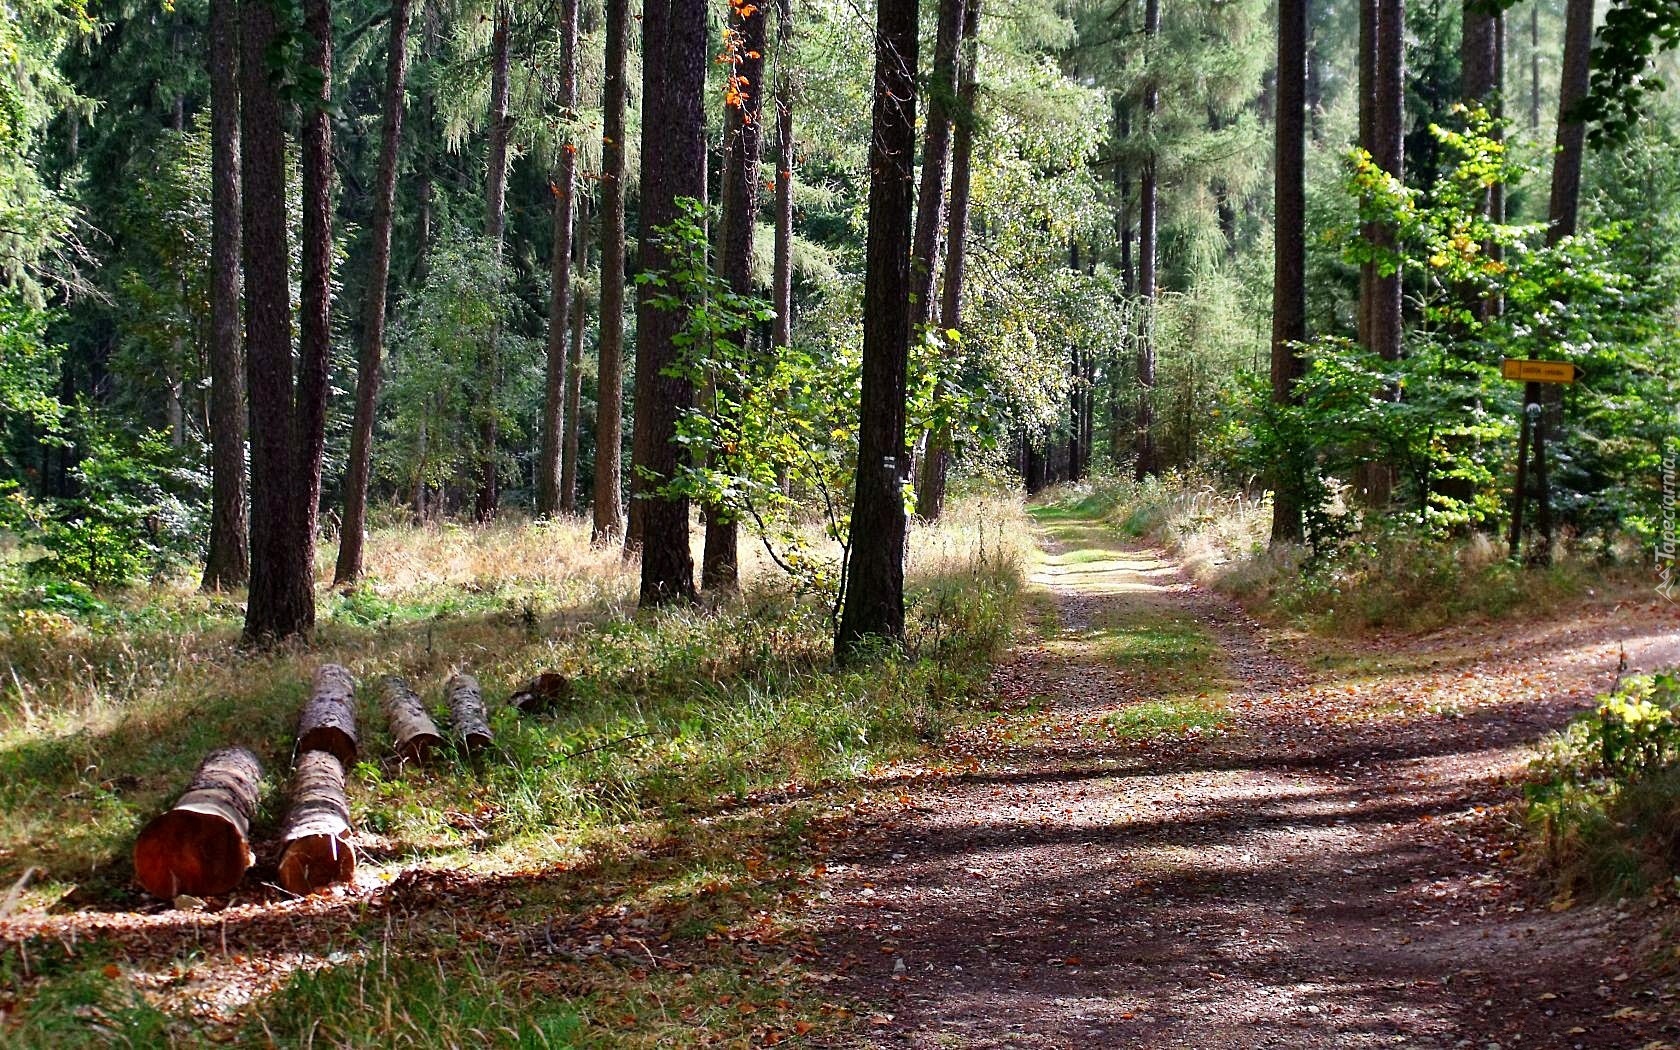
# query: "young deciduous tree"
[495,220]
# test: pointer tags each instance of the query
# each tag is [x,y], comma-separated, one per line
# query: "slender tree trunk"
[1382,126]
[1571,132]
[281,601]
[1534,66]
[936,465]
[1289,251]
[936,155]
[782,279]
[609,433]
[315,296]
[357,470]
[228,563]
[1562,217]
[673,168]
[1148,203]
[743,146]
[1482,59]
[873,604]
[549,484]
[495,217]
[574,370]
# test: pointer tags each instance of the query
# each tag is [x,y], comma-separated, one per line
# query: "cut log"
[543,693]
[316,851]
[201,846]
[466,710]
[328,721]
[413,732]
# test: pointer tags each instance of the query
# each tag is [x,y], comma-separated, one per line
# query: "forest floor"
[1195,831]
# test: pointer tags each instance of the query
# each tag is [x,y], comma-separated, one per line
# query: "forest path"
[1186,838]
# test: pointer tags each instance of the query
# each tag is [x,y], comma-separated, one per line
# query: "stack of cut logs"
[201,846]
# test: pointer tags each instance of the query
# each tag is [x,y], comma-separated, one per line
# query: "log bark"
[317,851]
[466,711]
[413,733]
[201,845]
[328,720]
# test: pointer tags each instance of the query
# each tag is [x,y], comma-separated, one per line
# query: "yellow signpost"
[1539,371]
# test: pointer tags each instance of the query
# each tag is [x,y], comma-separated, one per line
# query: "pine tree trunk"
[936,155]
[1571,132]
[673,168]
[782,279]
[873,605]
[280,602]
[1534,66]
[368,365]
[743,148]
[1148,203]
[228,562]
[495,217]
[1289,302]
[574,371]
[936,465]
[315,295]
[609,418]
[549,485]
[1382,130]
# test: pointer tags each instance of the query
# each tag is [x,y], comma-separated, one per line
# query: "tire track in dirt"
[1333,869]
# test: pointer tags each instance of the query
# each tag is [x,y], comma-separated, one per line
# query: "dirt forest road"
[1199,835]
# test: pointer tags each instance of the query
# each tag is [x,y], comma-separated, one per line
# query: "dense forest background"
[438,214]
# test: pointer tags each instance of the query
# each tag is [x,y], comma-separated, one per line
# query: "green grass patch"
[1153,719]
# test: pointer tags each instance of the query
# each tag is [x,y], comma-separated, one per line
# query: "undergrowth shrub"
[1604,801]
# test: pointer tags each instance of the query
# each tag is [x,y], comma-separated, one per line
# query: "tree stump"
[466,711]
[316,851]
[413,732]
[328,720]
[201,846]
[542,694]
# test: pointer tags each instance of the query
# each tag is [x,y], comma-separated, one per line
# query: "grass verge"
[628,863]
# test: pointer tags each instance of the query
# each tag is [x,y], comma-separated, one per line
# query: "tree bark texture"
[467,720]
[316,851]
[413,733]
[673,168]
[495,218]
[549,485]
[328,719]
[1148,221]
[227,564]
[873,605]
[936,464]
[371,358]
[608,509]
[1289,259]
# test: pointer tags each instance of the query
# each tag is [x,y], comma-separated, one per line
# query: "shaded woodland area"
[561,444]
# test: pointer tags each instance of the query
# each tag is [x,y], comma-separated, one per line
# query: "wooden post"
[201,846]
